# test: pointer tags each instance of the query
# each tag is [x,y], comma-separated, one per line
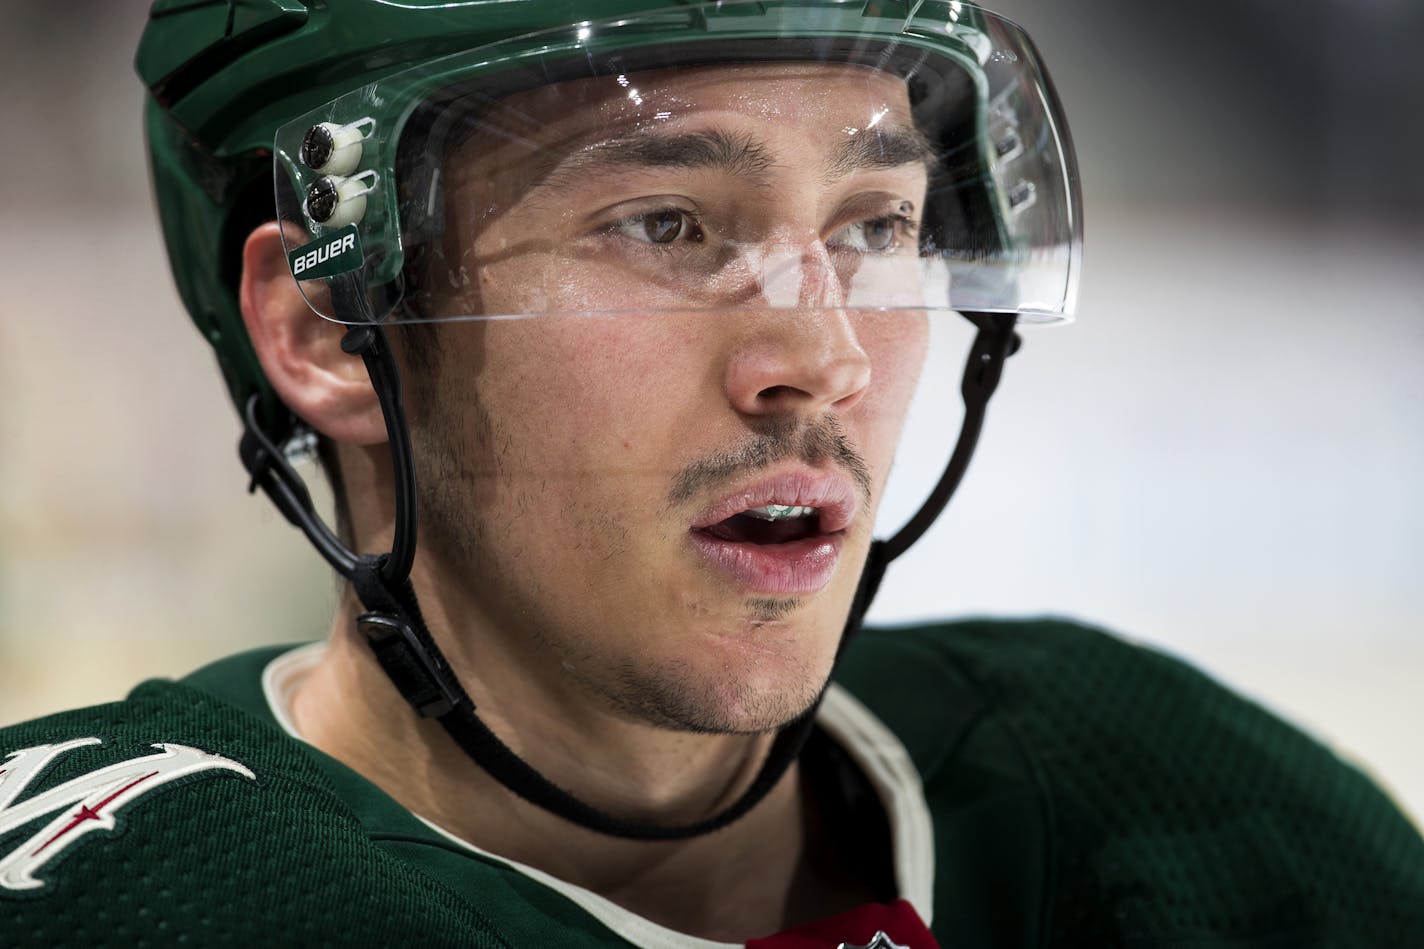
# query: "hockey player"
[605,322]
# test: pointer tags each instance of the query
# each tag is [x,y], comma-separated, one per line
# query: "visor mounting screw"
[334,201]
[322,198]
[335,149]
[317,146]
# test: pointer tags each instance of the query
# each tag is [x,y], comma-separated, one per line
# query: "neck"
[760,864]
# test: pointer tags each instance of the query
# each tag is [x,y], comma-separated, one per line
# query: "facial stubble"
[464,457]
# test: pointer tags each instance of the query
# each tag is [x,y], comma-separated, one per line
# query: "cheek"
[597,393]
[896,345]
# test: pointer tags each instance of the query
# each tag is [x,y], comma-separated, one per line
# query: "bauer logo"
[326,256]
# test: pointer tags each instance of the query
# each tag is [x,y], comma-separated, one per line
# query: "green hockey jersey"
[1024,784]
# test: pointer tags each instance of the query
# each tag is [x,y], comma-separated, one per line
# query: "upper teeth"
[779,512]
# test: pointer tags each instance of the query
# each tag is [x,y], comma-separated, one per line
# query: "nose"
[800,357]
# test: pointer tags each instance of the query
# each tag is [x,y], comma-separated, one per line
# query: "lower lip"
[798,568]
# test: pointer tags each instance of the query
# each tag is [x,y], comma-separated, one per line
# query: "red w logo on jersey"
[98,794]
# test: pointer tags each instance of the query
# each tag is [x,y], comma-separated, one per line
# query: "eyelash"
[690,219]
[903,231]
[906,227]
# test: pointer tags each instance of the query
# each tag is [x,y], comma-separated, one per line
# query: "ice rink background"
[1222,457]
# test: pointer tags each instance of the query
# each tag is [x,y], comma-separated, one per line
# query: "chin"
[749,710]
[734,707]
[752,680]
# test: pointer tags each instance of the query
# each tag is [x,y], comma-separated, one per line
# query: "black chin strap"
[396,632]
[995,342]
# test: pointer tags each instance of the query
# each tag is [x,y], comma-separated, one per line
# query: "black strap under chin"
[420,672]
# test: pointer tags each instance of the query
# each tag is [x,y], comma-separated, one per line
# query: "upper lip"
[830,493]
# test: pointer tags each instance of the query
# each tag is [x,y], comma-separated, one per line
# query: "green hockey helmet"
[356,105]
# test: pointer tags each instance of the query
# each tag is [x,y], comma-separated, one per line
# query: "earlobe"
[300,352]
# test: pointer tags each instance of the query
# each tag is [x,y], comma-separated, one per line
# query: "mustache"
[816,443]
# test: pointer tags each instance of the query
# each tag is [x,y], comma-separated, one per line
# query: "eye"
[878,234]
[885,233]
[664,226]
[873,236]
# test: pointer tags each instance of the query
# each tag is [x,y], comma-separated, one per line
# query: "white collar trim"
[864,737]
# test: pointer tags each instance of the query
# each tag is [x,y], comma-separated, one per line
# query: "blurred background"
[1222,457]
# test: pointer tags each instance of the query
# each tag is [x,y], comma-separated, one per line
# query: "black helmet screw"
[335,149]
[322,198]
[317,146]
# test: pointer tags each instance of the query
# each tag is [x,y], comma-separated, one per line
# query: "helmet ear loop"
[267,465]
[368,340]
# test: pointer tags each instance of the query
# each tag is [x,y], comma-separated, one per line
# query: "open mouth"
[780,537]
[769,524]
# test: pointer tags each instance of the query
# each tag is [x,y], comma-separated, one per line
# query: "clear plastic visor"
[923,168]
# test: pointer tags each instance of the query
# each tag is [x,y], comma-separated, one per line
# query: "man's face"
[587,479]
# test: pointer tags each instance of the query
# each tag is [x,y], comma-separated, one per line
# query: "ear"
[300,351]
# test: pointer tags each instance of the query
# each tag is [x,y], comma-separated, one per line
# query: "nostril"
[773,393]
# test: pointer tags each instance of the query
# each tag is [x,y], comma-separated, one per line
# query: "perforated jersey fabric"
[1084,792]
[1177,813]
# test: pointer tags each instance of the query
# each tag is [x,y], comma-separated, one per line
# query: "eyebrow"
[741,155]
[715,149]
[885,147]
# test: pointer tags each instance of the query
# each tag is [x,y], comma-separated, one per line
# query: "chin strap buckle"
[411,667]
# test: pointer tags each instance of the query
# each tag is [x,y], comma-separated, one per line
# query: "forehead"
[799,105]
[767,90]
